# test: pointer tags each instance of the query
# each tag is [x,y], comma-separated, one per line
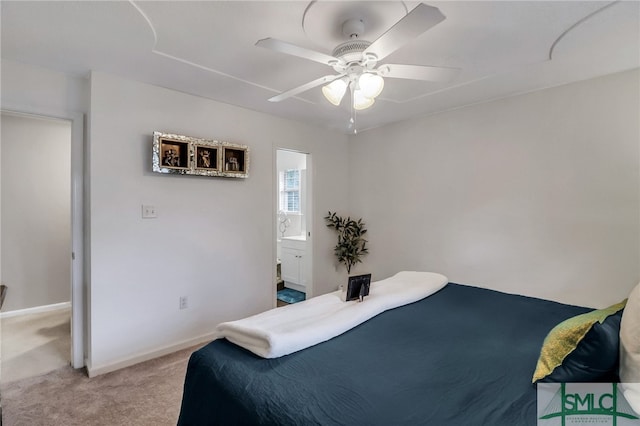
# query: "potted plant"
[350,248]
[351,243]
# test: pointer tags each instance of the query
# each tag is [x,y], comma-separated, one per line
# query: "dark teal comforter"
[463,356]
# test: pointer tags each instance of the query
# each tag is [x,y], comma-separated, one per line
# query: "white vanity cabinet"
[293,263]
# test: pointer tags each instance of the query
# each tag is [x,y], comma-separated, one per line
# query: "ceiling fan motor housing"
[355,61]
[350,52]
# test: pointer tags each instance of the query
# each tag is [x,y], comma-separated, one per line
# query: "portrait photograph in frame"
[174,154]
[358,287]
[206,157]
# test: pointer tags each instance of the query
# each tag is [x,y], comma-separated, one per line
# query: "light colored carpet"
[35,344]
[149,393]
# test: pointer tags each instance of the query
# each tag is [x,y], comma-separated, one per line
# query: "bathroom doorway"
[293,227]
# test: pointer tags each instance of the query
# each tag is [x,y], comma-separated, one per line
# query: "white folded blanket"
[291,328]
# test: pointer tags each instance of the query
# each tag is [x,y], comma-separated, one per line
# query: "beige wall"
[214,238]
[36,218]
[536,194]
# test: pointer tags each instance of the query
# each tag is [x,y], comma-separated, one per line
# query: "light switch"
[149,212]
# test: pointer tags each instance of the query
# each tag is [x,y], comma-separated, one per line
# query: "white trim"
[93,371]
[275,204]
[309,192]
[36,310]
[78,326]
[294,286]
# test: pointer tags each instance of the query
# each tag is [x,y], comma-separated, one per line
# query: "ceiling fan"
[356,61]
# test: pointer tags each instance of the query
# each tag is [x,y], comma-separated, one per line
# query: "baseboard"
[94,371]
[295,286]
[36,310]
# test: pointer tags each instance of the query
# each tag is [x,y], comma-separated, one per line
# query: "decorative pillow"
[584,348]
[630,350]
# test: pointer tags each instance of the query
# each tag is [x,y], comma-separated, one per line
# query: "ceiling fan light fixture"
[360,101]
[334,91]
[370,84]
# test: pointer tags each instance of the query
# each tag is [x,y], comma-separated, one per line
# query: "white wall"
[288,160]
[45,92]
[213,240]
[36,217]
[536,194]
[32,88]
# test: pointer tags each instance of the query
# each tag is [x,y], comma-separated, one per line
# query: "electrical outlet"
[183,302]
[149,212]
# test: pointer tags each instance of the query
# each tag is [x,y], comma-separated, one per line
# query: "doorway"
[293,227]
[40,231]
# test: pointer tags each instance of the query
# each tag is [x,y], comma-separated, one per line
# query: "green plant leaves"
[351,244]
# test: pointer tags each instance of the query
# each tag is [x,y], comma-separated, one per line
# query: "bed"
[462,356]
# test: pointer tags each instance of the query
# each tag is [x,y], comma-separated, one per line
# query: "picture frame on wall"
[206,157]
[174,154]
[235,159]
[187,155]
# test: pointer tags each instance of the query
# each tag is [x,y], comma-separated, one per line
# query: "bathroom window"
[290,191]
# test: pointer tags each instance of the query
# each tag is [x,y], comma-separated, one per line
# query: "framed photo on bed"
[186,155]
[358,287]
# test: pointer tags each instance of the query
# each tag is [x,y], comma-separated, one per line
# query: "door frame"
[76,119]
[309,220]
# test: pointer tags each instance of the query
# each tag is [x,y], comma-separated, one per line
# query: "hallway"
[34,344]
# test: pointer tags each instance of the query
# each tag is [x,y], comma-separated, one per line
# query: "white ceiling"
[208,48]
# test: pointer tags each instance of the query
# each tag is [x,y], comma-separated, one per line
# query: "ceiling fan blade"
[292,49]
[418,72]
[310,85]
[419,20]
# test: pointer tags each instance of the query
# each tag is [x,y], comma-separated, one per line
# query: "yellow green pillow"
[587,344]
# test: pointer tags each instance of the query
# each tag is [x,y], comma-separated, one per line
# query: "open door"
[293,220]
[74,188]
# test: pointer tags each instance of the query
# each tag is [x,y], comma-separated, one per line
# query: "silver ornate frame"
[217,169]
